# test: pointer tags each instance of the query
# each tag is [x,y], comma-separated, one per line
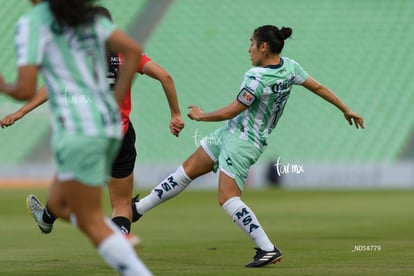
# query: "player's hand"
[176,125]
[354,118]
[194,113]
[10,119]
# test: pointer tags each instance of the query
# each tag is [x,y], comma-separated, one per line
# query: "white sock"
[120,255]
[247,221]
[171,186]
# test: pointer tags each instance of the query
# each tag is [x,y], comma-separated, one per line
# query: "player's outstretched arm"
[155,71]
[225,113]
[328,95]
[37,100]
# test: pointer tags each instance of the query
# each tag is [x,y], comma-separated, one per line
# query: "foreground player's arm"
[329,96]
[27,62]
[155,71]
[25,86]
[119,42]
[37,100]
[225,113]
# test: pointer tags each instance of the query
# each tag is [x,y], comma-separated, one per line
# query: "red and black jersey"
[114,63]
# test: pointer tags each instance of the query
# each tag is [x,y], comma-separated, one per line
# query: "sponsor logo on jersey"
[115,60]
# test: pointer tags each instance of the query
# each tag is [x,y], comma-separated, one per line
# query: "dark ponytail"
[285,32]
[72,13]
[273,36]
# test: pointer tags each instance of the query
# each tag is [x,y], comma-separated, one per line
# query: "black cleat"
[135,215]
[263,258]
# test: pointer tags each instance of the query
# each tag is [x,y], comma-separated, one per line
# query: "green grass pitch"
[320,233]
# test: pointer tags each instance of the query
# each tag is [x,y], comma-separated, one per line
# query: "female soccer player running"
[121,183]
[67,42]
[251,118]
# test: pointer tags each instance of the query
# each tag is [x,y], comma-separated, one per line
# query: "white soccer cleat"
[35,207]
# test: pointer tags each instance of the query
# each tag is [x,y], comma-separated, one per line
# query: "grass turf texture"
[191,235]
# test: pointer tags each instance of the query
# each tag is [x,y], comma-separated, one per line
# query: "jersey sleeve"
[105,27]
[250,89]
[144,60]
[28,40]
[300,74]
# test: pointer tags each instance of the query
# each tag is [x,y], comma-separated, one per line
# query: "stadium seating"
[359,49]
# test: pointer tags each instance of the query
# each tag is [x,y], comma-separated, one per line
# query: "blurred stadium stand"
[360,49]
[22,143]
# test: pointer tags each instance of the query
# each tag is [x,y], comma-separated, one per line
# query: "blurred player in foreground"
[121,183]
[234,148]
[66,41]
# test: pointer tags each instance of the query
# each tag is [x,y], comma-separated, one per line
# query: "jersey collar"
[275,66]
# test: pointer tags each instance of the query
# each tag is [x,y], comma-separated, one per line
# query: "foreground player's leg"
[41,214]
[85,201]
[119,254]
[243,216]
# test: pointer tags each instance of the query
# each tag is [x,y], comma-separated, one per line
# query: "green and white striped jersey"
[265,91]
[73,63]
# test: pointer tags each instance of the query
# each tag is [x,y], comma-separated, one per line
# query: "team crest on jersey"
[246,97]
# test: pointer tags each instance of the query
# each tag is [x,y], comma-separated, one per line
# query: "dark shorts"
[124,162]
